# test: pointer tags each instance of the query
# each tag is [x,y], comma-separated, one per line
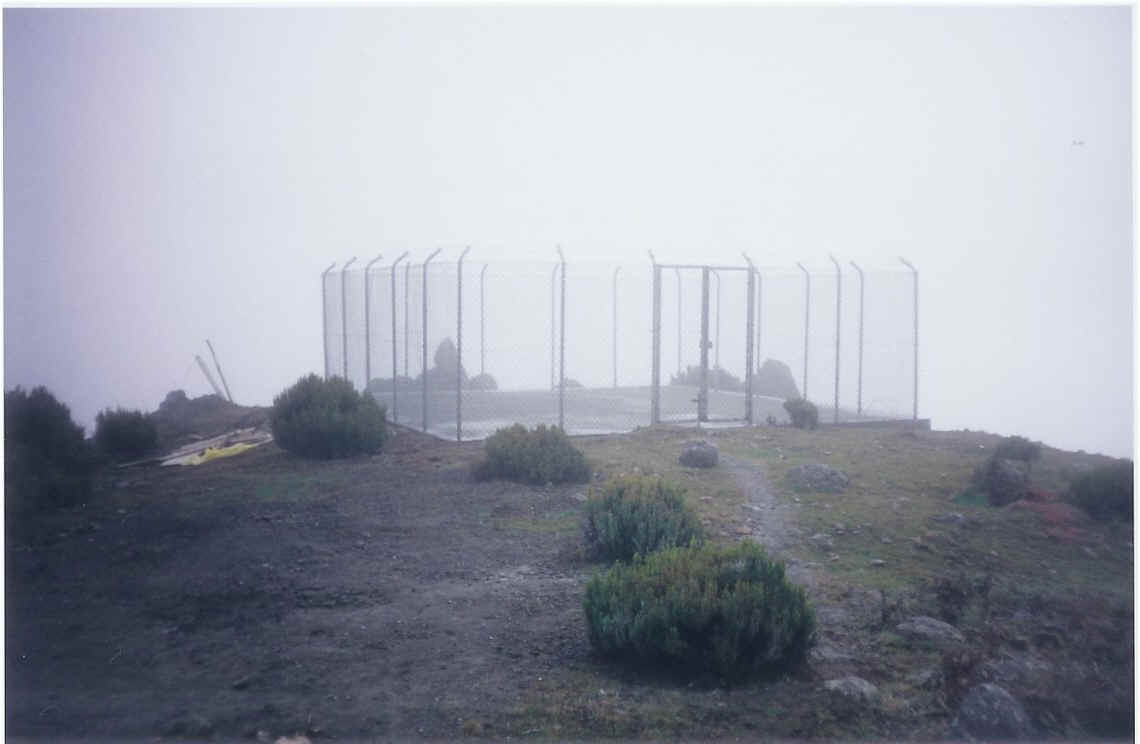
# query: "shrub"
[324,419]
[1003,481]
[542,455]
[482,381]
[636,515]
[718,379]
[1018,448]
[125,435]
[48,463]
[803,413]
[1104,492]
[728,610]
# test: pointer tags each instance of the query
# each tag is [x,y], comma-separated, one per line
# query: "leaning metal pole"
[459,348]
[807,320]
[655,380]
[859,399]
[616,271]
[344,317]
[395,408]
[749,414]
[368,323]
[910,266]
[562,349]
[838,300]
[424,334]
[325,315]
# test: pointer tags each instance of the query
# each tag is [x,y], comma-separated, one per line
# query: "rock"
[698,454]
[189,725]
[818,477]
[953,518]
[1016,669]
[824,653]
[989,712]
[878,562]
[823,542]
[856,688]
[930,630]
[928,679]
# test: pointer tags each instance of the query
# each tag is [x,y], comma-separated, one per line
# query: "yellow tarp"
[214,453]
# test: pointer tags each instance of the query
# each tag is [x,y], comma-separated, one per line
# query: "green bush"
[324,419]
[1105,492]
[1018,448]
[538,456]
[636,515]
[803,413]
[48,463]
[125,435]
[727,610]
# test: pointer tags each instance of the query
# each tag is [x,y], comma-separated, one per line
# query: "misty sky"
[180,174]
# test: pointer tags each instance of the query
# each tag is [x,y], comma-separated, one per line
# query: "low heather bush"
[323,419]
[726,610]
[1104,492]
[1018,448]
[803,413]
[47,462]
[125,435]
[636,515]
[538,456]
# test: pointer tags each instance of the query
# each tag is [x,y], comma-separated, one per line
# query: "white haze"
[181,174]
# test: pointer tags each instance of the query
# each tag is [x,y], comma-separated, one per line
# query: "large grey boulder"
[853,687]
[698,453]
[989,712]
[930,630]
[818,477]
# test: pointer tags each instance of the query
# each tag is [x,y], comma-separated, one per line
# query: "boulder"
[818,477]
[930,630]
[989,712]
[853,687]
[698,454]
[823,542]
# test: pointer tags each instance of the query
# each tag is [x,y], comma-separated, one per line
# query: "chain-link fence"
[460,348]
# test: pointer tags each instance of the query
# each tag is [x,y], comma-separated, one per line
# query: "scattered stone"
[244,682]
[953,518]
[920,545]
[824,653]
[928,679]
[699,453]
[1016,669]
[823,542]
[189,725]
[885,540]
[818,477]
[878,562]
[930,630]
[856,688]
[989,712]
[1089,551]
[833,558]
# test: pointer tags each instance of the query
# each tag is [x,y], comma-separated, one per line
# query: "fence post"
[680,368]
[562,349]
[759,318]
[459,348]
[807,320]
[910,266]
[553,324]
[655,381]
[368,323]
[424,373]
[838,299]
[616,271]
[395,407]
[716,344]
[859,399]
[407,356]
[749,414]
[703,393]
[325,316]
[482,324]
[344,317]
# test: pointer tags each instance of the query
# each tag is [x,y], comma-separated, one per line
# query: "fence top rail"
[702,266]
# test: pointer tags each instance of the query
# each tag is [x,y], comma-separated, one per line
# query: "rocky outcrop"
[818,477]
[699,454]
[930,630]
[989,712]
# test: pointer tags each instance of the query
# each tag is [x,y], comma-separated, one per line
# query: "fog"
[181,174]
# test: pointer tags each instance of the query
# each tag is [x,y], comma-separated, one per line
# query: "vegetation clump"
[1018,448]
[125,435]
[726,610]
[538,456]
[636,515]
[324,419]
[803,413]
[1104,492]
[47,461]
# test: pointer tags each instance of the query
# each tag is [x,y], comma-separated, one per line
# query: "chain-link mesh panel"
[334,337]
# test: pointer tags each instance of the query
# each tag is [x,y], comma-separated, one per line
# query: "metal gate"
[699,392]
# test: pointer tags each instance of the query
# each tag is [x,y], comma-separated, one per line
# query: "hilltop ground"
[264,595]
